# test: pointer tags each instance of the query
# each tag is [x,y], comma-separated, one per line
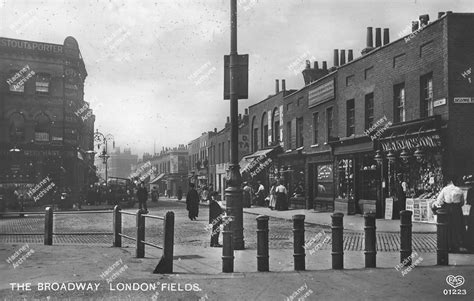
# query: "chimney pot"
[336,58]
[316,65]
[283,85]
[414,26]
[350,55]
[378,37]
[308,64]
[424,19]
[386,36]
[325,65]
[440,14]
[228,119]
[370,38]
[343,57]
[277,86]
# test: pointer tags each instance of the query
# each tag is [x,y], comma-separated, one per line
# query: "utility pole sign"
[242,76]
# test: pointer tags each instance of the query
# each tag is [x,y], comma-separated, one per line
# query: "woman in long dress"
[272,196]
[281,197]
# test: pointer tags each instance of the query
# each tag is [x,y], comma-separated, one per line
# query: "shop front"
[291,171]
[411,156]
[261,166]
[320,182]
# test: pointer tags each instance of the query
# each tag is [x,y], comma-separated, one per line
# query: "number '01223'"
[454,292]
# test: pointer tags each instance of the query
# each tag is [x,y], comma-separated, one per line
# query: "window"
[14,82]
[265,135]
[350,80]
[42,128]
[299,132]
[427,95]
[329,120]
[42,83]
[315,127]
[369,110]
[255,139]
[276,126]
[368,73]
[288,106]
[288,134]
[17,128]
[350,110]
[399,102]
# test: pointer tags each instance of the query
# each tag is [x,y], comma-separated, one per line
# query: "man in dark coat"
[192,202]
[142,196]
[215,218]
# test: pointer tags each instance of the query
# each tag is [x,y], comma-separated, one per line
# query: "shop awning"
[260,160]
[155,180]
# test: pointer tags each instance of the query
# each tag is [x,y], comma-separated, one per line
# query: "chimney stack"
[343,57]
[440,14]
[414,26]
[386,36]
[370,39]
[325,65]
[378,37]
[350,55]
[215,130]
[283,85]
[336,58]
[316,65]
[308,64]
[424,19]
[228,119]
[277,86]
[246,111]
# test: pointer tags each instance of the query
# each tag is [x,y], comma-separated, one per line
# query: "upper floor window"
[315,127]
[299,132]
[369,110]
[42,128]
[350,109]
[288,134]
[427,95]
[17,128]
[42,83]
[329,120]
[399,103]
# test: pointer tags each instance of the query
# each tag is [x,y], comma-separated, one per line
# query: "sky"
[155,67]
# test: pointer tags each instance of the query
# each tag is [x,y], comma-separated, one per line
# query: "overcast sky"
[155,68]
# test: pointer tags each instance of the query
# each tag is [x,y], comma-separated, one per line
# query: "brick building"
[46,127]
[198,158]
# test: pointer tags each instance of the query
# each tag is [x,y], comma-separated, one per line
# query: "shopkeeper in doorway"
[400,197]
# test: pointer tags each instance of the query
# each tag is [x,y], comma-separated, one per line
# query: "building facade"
[120,163]
[198,158]
[46,127]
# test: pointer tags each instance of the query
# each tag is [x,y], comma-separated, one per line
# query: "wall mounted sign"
[321,93]
[439,102]
[463,99]
[412,143]
[325,173]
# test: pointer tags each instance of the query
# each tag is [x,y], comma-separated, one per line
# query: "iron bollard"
[228,246]
[140,252]
[298,242]
[117,220]
[337,229]
[48,227]
[405,237]
[370,240]
[165,266]
[442,256]
[262,243]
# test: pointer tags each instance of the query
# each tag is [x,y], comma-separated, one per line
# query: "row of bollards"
[337,253]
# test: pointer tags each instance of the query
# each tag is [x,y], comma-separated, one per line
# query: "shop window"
[288,134]
[329,125]
[315,127]
[345,169]
[350,110]
[42,83]
[427,95]
[299,132]
[369,110]
[399,102]
[368,178]
[17,128]
[42,128]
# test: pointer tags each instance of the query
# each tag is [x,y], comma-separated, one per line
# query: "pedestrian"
[281,197]
[154,194]
[272,196]
[204,195]
[260,196]
[192,202]
[179,193]
[451,198]
[469,238]
[142,196]
[247,195]
[216,210]
[400,199]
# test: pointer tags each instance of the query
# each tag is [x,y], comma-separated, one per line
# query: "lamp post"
[104,139]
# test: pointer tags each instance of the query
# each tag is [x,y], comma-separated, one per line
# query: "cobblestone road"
[193,233]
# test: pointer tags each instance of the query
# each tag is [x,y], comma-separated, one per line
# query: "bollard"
[298,242]
[48,227]
[140,252]
[337,229]
[228,246]
[442,257]
[262,243]
[165,266]
[370,240]
[117,220]
[405,237]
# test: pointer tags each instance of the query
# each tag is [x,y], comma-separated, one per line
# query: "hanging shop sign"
[412,143]
[325,173]
[439,102]
[463,99]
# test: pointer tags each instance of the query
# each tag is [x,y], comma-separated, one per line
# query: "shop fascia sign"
[463,99]
[412,143]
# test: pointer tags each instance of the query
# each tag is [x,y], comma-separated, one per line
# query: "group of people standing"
[276,199]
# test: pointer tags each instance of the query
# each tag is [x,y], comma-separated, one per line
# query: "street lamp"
[104,139]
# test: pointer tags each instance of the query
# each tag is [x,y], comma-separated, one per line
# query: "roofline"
[313,83]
